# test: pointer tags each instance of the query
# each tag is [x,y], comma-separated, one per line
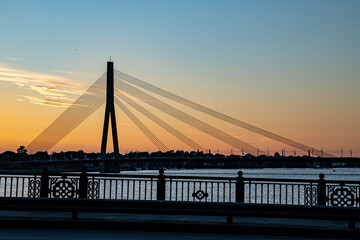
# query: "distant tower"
[109,110]
[342,152]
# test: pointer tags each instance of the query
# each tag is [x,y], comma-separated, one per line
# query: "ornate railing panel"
[343,194]
[64,187]
[195,189]
[34,187]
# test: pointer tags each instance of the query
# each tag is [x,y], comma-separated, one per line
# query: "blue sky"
[203,33]
[258,57]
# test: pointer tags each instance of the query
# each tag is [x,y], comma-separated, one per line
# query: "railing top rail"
[343,181]
[176,177]
[297,180]
[245,179]
[77,174]
[120,175]
[283,180]
[105,175]
[265,180]
[20,173]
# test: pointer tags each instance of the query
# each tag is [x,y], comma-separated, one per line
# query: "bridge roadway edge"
[149,225]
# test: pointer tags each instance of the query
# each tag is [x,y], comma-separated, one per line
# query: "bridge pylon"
[109,112]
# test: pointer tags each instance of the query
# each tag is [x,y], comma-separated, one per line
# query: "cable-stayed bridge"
[116,87]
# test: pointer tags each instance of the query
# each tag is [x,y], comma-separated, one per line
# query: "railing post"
[44,185]
[161,185]
[321,190]
[240,188]
[83,185]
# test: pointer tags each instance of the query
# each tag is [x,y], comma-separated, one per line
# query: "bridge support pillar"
[321,190]
[161,185]
[229,219]
[240,188]
[83,185]
[109,112]
[44,184]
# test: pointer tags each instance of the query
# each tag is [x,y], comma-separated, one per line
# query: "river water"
[348,174]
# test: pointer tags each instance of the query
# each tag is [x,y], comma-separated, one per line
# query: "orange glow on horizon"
[25,119]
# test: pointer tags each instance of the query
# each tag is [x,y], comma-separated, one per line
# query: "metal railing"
[181,188]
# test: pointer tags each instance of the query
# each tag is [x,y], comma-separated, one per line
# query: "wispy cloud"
[13,58]
[264,139]
[195,131]
[68,72]
[237,135]
[51,102]
[54,89]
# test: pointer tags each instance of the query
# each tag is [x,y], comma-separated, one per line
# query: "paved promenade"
[28,225]
[59,234]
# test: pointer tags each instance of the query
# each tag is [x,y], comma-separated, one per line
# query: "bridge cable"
[73,116]
[186,118]
[150,135]
[160,122]
[218,115]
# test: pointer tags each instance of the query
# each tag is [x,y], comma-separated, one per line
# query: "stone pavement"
[137,226]
[59,234]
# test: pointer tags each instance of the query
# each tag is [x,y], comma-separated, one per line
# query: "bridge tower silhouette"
[109,111]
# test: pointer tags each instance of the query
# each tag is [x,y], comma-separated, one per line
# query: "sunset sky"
[290,67]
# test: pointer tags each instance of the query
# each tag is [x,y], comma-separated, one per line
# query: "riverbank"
[126,164]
